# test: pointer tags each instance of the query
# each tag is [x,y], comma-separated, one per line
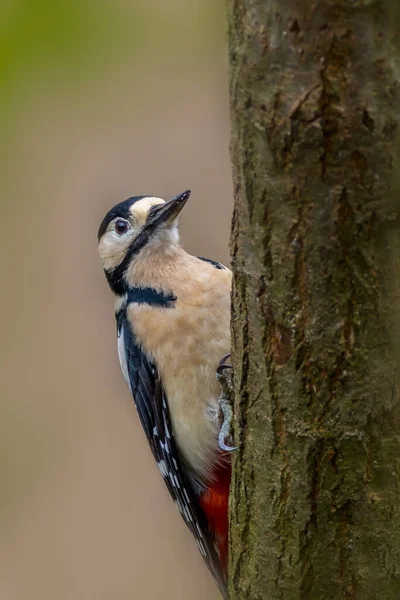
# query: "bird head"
[131,228]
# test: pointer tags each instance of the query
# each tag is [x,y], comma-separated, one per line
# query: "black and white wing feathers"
[213,263]
[151,403]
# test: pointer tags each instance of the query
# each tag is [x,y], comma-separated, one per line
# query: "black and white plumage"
[146,387]
[172,314]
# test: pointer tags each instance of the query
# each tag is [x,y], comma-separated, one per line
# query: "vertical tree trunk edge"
[315,500]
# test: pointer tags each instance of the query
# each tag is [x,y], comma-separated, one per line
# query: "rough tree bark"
[315,501]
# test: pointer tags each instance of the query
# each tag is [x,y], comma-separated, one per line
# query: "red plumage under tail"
[214,503]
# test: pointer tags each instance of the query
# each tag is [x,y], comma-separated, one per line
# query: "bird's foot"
[225,378]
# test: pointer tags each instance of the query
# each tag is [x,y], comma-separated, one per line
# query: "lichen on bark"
[315,499]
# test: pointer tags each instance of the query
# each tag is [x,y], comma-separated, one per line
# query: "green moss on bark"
[315,503]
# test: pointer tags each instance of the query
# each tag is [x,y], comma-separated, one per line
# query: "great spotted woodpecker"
[173,326]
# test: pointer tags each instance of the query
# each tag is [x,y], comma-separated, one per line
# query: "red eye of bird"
[121,227]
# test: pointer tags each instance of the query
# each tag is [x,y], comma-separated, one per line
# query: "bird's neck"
[159,268]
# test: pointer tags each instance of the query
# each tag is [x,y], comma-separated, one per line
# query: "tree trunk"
[315,503]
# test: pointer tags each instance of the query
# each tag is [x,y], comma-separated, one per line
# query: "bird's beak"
[165,214]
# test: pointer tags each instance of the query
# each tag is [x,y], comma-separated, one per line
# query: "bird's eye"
[121,227]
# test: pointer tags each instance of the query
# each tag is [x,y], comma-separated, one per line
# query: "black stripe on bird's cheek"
[116,276]
[116,281]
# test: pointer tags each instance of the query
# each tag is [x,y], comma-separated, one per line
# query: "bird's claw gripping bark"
[225,376]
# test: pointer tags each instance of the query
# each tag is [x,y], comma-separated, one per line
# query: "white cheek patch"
[113,247]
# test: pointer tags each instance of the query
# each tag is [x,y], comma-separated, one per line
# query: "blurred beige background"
[100,101]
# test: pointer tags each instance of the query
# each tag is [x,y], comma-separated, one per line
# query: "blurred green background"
[99,101]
